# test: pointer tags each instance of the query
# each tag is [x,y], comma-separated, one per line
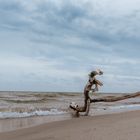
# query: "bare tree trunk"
[114,99]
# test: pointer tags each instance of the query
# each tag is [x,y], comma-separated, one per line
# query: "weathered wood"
[88,107]
[114,99]
[105,99]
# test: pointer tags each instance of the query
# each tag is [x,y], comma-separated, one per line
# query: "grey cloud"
[74,35]
[13,16]
[48,21]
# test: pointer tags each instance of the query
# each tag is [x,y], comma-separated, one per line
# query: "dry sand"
[122,126]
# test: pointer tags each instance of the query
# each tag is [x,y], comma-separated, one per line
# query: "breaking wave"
[29,114]
[131,106]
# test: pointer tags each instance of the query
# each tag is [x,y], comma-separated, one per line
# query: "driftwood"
[114,99]
[104,99]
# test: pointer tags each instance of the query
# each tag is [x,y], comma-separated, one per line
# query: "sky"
[52,45]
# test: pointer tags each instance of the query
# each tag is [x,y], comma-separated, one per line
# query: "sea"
[20,109]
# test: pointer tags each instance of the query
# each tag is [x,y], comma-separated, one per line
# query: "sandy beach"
[47,116]
[121,126]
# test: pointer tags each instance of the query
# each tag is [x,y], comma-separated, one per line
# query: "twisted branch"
[114,99]
[105,99]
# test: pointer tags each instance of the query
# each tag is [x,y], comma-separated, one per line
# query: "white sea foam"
[131,106]
[28,114]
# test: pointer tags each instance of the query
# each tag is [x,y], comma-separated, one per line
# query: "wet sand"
[7,125]
[121,126]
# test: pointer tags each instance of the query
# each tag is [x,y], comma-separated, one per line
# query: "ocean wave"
[131,106]
[29,114]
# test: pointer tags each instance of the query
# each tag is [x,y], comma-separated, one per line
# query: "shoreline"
[13,124]
[123,125]
[20,110]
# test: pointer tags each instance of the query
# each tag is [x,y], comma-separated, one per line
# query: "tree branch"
[114,99]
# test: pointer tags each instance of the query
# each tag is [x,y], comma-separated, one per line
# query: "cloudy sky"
[52,45]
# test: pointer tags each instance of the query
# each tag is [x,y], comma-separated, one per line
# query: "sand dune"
[122,126]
